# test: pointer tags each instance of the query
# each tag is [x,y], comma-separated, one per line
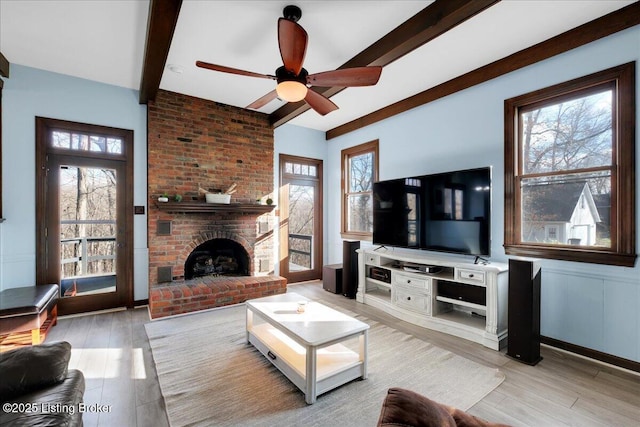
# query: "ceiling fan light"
[291,91]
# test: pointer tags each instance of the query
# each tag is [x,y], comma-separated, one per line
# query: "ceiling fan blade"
[261,102]
[230,70]
[320,103]
[292,39]
[348,77]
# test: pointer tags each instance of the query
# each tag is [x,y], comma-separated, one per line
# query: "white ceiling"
[103,40]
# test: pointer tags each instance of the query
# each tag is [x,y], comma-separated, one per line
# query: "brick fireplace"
[195,143]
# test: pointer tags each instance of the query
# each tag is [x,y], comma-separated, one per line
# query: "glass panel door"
[300,208]
[84,214]
[88,228]
[86,233]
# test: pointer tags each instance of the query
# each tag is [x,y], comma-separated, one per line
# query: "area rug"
[210,376]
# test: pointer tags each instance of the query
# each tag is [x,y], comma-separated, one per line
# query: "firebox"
[217,257]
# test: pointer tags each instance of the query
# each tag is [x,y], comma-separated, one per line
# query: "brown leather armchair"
[407,408]
[38,389]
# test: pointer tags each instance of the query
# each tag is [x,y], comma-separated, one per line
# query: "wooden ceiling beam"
[4,66]
[621,19]
[434,20]
[163,16]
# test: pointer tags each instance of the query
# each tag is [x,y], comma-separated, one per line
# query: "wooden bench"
[27,314]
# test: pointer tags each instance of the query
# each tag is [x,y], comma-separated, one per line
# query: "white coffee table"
[318,350]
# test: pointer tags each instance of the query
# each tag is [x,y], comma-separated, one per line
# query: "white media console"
[447,294]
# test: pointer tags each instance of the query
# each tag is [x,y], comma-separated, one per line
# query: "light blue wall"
[303,142]
[29,93]
[589,305]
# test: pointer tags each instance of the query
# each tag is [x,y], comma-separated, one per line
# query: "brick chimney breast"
[196,143]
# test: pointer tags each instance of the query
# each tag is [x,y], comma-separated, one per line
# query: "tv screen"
[449,212]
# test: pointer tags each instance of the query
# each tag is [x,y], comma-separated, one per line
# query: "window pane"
[288,167]
[79,142]
[60,139]
[360,213]
[88,248]
[301,223]
[98,143]
[567,210]
[312,171]
[114,145]
[361,173]
[573,134]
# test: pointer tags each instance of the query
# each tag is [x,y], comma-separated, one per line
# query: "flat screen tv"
[447,212]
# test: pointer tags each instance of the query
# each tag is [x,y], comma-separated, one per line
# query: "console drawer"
[471,276]
[372,259]
[411,300]
[406,280]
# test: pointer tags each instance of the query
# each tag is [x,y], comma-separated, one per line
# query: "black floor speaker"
[524,311]
[350,268]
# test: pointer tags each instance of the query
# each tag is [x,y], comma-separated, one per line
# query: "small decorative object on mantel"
[177,198]
[164,198]
[224,198]
[218,198]
[269,201]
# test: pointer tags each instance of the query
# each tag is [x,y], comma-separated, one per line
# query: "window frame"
[346,155]
[623,217]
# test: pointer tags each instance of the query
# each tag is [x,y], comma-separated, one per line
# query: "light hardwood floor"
[113,351]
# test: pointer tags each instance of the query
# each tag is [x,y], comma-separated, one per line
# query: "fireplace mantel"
[203,207]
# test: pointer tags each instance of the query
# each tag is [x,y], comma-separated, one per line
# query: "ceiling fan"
[293,80]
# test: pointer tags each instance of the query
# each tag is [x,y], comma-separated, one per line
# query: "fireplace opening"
[217,257]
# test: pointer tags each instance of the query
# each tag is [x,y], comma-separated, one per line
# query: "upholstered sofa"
[406,408]
[38,389]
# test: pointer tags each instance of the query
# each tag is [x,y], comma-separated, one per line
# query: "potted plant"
[177,197]
[164,198]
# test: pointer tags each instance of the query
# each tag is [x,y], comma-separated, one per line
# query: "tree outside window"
[359,172]
[570,163]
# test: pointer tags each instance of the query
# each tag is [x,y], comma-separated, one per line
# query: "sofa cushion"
[54,405]
[29,368]
[406,408]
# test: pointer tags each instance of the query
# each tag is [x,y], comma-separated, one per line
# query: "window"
[359,172]
[570,170]
[85,142]
[295,168]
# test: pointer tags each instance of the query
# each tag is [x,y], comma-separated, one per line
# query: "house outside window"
[570,168]
[359,172]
